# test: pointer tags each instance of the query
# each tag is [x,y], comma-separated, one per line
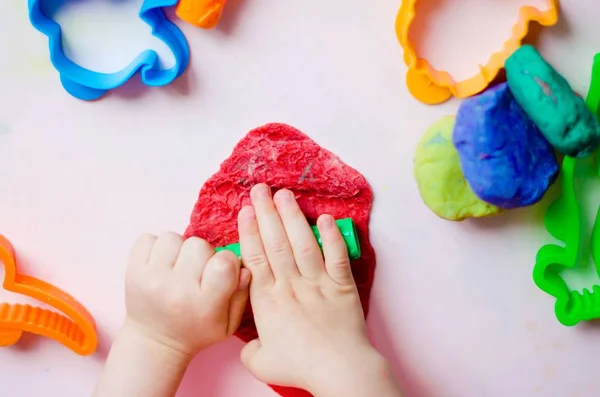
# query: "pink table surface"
[454,306]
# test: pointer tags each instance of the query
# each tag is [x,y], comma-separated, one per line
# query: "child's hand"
[183,295]
[307,309]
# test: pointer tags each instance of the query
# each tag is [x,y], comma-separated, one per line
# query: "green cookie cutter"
[346,226]
[563,221]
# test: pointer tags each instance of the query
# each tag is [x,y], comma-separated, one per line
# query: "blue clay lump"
[505,159]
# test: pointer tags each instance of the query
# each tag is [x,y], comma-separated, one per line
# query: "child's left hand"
[181,298]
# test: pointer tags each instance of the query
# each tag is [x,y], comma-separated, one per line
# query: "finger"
[140,251]
[262,367]
[166,250]
[249,356]
[337,261]
[275,240]
[195,253]
[245,278]
[252,250]
[309,258]
[239,301]
[220,279]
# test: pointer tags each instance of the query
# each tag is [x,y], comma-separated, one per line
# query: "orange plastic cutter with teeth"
[433,86]
[74,328]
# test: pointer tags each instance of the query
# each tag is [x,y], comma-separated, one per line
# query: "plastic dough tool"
[433,86]
[201,13]
[563,221]
[89,85]
[347,228]
[74,328]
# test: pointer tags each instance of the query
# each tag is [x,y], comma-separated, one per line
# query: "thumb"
[250,354]
[220,279]
[239,301]
[258,361]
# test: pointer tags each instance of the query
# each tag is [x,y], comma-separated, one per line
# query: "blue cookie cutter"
[89,85]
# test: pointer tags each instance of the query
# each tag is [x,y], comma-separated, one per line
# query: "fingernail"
[284,197]
[261,191]
[326,222]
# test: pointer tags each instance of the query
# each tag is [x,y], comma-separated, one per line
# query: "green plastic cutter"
[563,221]
[346,226]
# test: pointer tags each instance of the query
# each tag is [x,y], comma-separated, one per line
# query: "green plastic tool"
[563,221]
[346,226]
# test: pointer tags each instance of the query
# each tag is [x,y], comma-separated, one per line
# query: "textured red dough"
[283,157]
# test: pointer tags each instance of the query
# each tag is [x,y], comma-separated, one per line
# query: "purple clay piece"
[504,157]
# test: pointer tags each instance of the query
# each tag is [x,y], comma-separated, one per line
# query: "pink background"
[454,306]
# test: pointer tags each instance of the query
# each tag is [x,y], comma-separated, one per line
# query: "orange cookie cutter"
[75,328]
[202,13]
[432,86]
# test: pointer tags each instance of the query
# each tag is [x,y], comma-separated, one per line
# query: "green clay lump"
[547,98]
[440,179]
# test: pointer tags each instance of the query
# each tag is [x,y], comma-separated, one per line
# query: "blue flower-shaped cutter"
[89,85]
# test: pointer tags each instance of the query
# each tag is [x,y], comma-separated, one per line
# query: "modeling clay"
[70,323]
[548,99]
[202,13]
[440,179]
[283,157]
[504,157]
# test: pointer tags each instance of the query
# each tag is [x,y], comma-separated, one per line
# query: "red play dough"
[283,157]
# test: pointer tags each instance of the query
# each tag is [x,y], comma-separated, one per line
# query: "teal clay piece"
[346,226]
[547,98]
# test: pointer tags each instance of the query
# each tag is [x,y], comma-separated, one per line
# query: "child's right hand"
[307,309]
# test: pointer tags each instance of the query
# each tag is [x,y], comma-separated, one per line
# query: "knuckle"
[339,265]
[196,240]
[171,236]
[279,247]
[306,250]
[142,244]
[223,263]
[146,237]
[196,243]
[256,261]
